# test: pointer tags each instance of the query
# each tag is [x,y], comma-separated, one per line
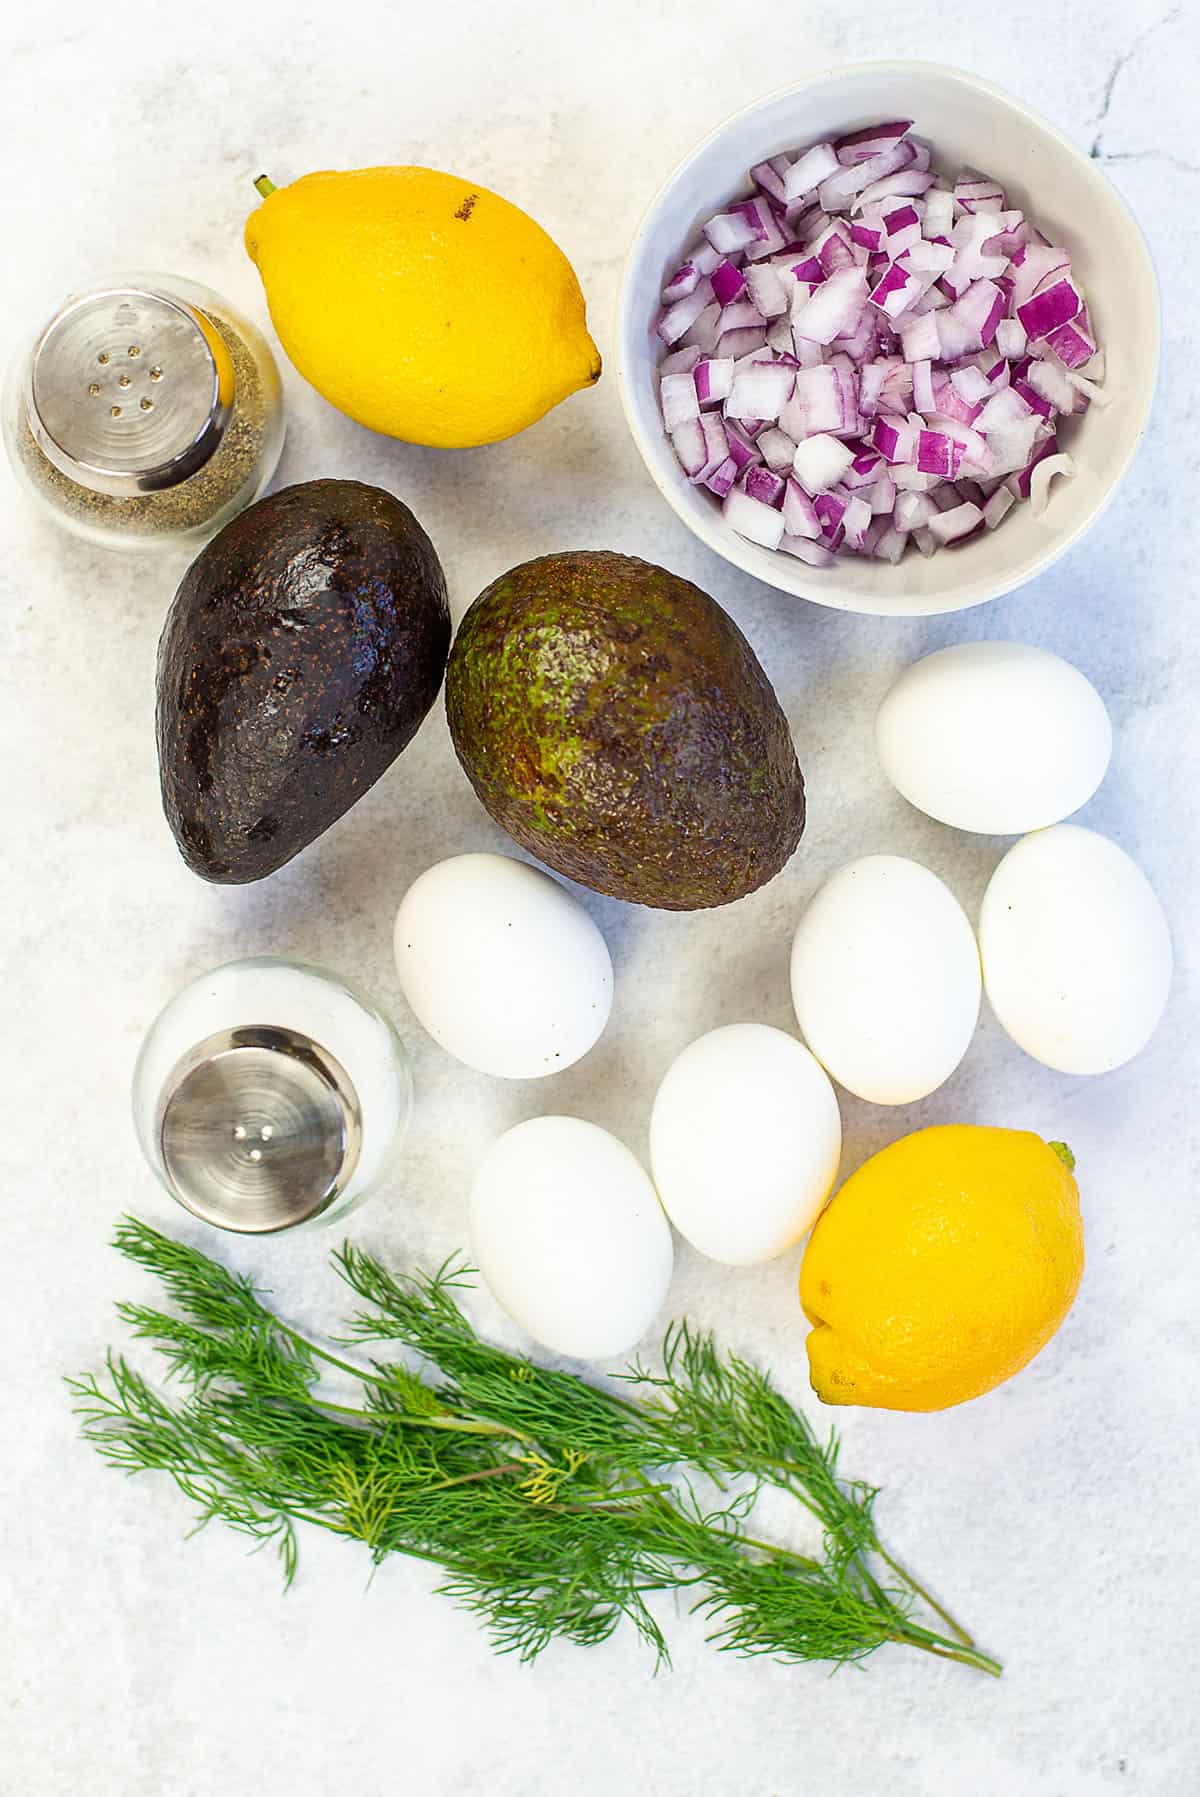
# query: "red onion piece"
[809,170]
[820,462]
[1048,308]
[959,521]
[1073,347]
[680,361]
[680,403]
[752,519]
[727,282]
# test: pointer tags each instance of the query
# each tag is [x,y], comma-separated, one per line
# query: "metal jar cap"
[260,1129]
[130,391]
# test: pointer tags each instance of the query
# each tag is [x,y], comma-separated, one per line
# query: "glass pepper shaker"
[146,414]
[269,1094]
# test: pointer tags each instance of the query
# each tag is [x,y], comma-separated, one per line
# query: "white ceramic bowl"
[969,122]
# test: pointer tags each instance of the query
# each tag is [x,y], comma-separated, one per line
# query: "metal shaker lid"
[130,391]
[260,1129]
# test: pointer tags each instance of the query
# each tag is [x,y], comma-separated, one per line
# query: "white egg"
[995,737]
[504,968]
[1076,950]
[745,1140]
[567,1229]
[885,979]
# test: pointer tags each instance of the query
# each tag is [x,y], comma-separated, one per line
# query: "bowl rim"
[793,578]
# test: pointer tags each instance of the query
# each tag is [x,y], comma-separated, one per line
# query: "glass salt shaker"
[146,414]
[268,1094]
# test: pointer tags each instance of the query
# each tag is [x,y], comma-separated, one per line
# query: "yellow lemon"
[419,304]
[941,1267]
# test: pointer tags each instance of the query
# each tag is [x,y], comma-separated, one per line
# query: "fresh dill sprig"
[556,1509]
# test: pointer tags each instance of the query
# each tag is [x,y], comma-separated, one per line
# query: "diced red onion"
[780,341]
[728,281]
[861,341]
[799,514]
[1020,480]
[865,468]
[680,361]
[833,307]
[768,177]
[896,289]
[977,193]
[1093,393]
[1033,264]
[881,496]
[1050,380]
[763,483]
[895,439]
[836,193]
[1073,347]
[760,391]
[1036,401]
[716,446]
[685,280]
[680,403]
[679,318]
[776,448]
[691,447]
[972,262]
[727,233]
[1010,338]
[869,236]
[742,451]
[740,343]
[1048,308]
[1040,476]
[1000,503]
[942,324]
[714,378]
[856,522]
[764,284]
[752,519]
[706,328]
[815,554]
[972,385]
[939,212]
[949,526]
[830,509]
[872,140]
[903,227]
[923,396]
[809,170]
[912,510]
[721,480]
[929,258]
[820,461]
[1002,411]
[910,181]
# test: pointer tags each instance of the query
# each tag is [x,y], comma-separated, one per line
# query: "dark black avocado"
[616,722]
[305,645]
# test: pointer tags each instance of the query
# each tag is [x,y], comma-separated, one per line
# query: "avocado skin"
[615,721]
[304,647]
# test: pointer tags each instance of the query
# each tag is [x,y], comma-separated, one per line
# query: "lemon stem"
[265,186]
[1064,1154]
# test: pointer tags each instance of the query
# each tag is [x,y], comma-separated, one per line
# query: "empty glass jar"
[146,414]
[269,1094]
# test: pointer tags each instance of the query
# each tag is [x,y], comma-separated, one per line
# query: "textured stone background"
[1057,1514]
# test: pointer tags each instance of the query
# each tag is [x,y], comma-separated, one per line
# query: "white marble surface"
[1058,1513]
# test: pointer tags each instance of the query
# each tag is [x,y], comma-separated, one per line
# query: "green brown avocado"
[305,645]
[616,722]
